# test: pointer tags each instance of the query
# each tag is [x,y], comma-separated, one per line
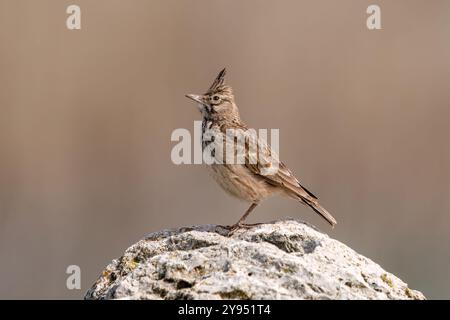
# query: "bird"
[250,180]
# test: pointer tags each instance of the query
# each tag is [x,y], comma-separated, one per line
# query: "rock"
[282,260]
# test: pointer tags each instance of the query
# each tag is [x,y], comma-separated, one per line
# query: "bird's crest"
[220,79]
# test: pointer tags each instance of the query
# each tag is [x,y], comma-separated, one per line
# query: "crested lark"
[249,180]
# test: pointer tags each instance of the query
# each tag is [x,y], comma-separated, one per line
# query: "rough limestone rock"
[282,260]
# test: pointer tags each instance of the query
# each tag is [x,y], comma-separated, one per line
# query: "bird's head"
[218,101]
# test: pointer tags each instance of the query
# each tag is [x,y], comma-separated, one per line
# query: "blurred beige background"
[86,118]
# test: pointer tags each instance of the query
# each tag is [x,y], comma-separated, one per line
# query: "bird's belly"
[238,181]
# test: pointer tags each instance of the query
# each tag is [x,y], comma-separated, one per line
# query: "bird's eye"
[216,98]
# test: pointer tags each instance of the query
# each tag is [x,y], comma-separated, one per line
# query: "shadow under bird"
[250,180]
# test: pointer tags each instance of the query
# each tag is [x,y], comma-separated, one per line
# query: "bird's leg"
[240,223]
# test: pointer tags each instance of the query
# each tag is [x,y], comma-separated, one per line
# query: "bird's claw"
[233,228]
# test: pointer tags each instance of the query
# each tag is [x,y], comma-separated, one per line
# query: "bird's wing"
[264,162]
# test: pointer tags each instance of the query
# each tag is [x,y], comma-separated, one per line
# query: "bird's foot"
[239,225]
[250,225]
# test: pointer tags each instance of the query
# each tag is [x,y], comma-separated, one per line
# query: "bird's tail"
[314,204]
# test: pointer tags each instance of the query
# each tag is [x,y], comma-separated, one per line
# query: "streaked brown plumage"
[251,181]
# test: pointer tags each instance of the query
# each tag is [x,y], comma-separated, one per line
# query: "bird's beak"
[196,98]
